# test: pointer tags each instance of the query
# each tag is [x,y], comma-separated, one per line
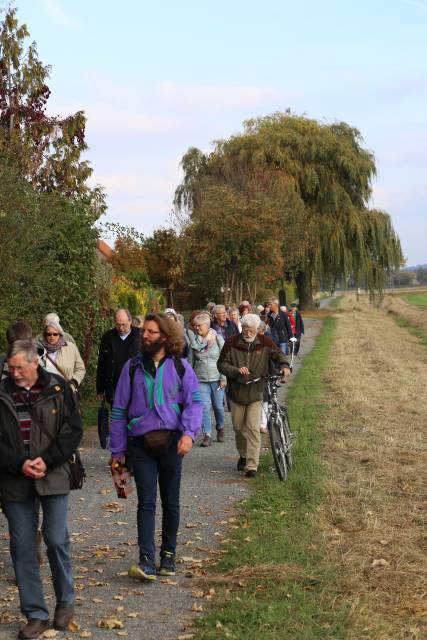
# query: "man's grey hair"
[218,307]
[51,317]
[250,320]
[27,347]
[127,312]
[202,318]
[273,301]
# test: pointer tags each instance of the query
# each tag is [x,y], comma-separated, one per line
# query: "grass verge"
[417,299]
[270,582]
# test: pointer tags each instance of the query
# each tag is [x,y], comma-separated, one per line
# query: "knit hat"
[171,312]
[53,323]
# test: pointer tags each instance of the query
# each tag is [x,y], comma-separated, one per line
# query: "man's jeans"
[284,348]
[164,465]
[210,395]
[23,520]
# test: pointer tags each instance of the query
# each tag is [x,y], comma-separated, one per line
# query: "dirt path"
[103,532]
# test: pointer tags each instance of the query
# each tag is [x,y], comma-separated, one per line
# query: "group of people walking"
[161,380]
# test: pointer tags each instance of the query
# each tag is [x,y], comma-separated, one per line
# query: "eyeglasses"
[50,335]
[150,332]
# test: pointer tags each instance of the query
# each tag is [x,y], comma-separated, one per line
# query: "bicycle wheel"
[275,431]
[288,437]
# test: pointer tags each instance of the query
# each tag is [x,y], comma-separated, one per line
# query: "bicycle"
[279,428]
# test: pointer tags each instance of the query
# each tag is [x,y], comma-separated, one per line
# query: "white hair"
[250,320]
[27,347]
[202,318]
[218,307]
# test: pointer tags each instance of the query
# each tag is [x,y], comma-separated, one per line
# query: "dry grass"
[373,519]
[415,316]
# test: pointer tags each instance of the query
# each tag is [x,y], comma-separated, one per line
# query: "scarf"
[203,344]
[52,348]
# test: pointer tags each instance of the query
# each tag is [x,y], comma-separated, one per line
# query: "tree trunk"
[305,290]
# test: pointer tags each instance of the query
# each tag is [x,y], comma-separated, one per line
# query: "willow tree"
[330,173]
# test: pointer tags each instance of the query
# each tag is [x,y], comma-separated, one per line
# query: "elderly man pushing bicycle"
[243,358]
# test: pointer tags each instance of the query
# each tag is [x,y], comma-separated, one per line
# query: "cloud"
[142,184]
[58,14]
[109,119]
[414,3]
[225,96]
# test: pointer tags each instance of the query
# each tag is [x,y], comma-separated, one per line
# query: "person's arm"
[192,406]
[119,414]
[69,434]
[79,368]
[224,363]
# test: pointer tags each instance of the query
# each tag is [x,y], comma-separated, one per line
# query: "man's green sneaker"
[146,570]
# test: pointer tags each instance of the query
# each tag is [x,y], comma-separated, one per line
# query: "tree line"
[283,203]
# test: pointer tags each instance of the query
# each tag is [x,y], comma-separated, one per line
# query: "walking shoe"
[167,564]
[63,617]
[145,570]
[34,628]
[241,464]
[251,473]
[207,441]
[220,435]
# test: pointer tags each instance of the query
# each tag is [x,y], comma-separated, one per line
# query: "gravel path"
[103,531]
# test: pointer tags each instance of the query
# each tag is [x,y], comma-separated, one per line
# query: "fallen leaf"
[97,600]
[109,623]
[50,633]
[196,607]
[169,581]
[117,597]
[86,634]
[197,594]
[191,525]
[73,626]
[185,636]
[133,615]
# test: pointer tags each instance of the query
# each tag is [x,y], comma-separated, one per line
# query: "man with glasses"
[117,346]
[156,416]
[244,358]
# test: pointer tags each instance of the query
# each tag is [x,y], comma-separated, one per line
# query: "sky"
[155,78]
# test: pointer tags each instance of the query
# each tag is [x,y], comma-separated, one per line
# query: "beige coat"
[69,361]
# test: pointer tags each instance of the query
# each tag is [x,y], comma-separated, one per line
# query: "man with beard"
[243,358]
[156,415]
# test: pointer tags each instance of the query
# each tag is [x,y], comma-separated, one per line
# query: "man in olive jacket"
[243,358]
[40,429]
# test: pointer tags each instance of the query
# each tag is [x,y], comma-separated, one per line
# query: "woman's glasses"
[51,335]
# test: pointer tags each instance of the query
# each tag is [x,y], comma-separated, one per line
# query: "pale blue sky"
[157,78]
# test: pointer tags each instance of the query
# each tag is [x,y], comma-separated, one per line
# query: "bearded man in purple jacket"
[156,415]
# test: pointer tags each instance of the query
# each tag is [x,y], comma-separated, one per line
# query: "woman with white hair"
[63,352]
[204,349]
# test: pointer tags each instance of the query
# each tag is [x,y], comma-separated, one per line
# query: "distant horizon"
[155,80]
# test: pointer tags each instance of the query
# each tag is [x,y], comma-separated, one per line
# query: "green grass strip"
[295,595]
[415,331]
[417,299]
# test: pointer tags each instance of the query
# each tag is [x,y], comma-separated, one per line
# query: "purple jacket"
[163,402]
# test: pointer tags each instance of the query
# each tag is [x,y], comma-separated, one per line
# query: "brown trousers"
[246,420]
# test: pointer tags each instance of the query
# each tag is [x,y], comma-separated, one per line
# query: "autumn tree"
[46,148]
[165,260]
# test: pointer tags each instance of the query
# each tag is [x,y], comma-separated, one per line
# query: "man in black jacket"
[221,324]
[40,429]
[116,348]
[280,326]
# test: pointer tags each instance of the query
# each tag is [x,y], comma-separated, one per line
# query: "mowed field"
[373,520]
